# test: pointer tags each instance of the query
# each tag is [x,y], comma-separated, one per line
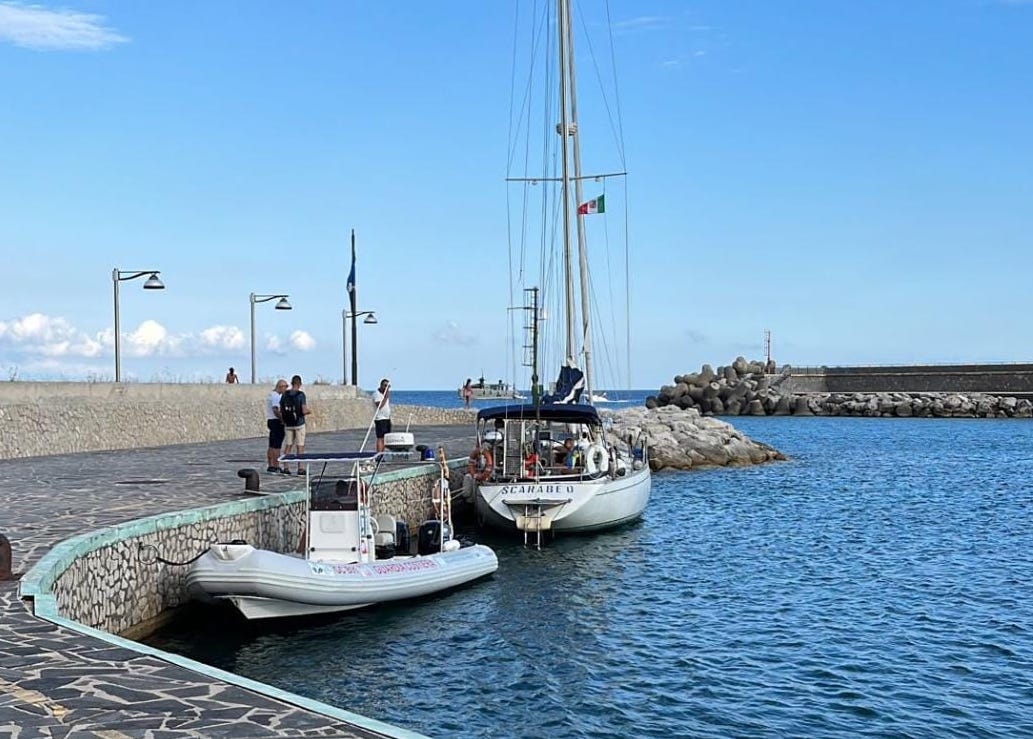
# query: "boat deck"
[58,681]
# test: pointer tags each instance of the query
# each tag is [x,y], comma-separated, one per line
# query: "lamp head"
[282,304]
[153,283]
[371,318]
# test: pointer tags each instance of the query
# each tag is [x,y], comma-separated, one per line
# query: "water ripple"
[878,584]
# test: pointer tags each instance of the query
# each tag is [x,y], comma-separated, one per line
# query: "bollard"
[250,476]
[5,559]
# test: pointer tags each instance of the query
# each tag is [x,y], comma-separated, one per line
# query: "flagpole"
[355,330]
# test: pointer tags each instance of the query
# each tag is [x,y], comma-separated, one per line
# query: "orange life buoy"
[481,464]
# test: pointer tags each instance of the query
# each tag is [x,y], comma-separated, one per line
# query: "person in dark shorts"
[382,417]
[275,426]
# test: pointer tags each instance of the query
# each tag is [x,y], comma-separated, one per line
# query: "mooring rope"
[147,560]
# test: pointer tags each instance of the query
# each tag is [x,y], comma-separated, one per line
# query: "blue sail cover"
[568,387]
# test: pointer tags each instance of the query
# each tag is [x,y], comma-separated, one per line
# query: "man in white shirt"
[382,417]
[275,426]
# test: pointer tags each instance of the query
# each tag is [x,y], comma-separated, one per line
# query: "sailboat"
[553,465]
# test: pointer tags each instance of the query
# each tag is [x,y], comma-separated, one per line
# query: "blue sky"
[854,177]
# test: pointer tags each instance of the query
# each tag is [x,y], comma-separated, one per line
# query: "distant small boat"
[482,390]
[601,397]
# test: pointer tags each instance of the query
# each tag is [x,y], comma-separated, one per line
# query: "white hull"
[254,608]
[567,505]
[265,584]
[493,395]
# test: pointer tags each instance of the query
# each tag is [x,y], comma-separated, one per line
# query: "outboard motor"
[429,539]
[402,543]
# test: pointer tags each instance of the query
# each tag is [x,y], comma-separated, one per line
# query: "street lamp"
[117,276]
[370,318]
[282,304]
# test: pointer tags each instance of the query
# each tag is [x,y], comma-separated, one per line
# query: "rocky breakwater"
[740,389]
[683,439]
[744,389]
[918,405]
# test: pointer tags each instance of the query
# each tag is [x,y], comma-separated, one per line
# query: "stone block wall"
[40,418]
[112,580]
[120,586]
[1012,379]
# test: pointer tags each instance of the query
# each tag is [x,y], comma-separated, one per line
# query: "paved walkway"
[56,682]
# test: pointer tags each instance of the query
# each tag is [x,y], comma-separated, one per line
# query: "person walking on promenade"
[275,426]
[231,377]
[293,409]
[382,417]
[467,392]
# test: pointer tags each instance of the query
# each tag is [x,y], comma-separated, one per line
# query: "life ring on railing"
[596,459]
[480,464]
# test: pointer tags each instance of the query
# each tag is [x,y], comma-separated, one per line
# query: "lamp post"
[370,318]
[281,304]
[117,276]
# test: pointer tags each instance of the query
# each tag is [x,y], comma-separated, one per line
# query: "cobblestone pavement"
[56,682]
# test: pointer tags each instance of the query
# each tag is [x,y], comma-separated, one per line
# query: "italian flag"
[595,205]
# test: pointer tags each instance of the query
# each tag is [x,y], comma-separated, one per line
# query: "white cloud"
[151,338]
[36,27]
[274,345]
[39,335]
[302,341]
[452,333]
[643,23]
[223,337]
[49,336]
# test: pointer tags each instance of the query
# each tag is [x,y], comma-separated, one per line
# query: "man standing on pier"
[275,426]
[293,409]
[382,417]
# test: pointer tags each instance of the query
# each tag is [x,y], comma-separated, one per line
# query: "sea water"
[879,583]
[615,399]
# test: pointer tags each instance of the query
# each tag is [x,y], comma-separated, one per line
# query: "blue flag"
[351,275]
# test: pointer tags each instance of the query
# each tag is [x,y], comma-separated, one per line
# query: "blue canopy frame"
[566,413]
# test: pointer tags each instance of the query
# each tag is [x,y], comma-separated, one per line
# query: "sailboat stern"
[530,506]
[576,506]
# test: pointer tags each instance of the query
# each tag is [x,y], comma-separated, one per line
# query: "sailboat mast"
[562,25]
[582,244]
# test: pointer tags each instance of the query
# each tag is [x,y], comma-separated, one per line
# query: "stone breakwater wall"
[743,388]
[1013,379]
[39,418]
[684,439]
[113,579]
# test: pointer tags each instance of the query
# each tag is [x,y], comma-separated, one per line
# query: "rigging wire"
[545,225]
[627,197]
[616,128]
[615,118]
[510,330]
